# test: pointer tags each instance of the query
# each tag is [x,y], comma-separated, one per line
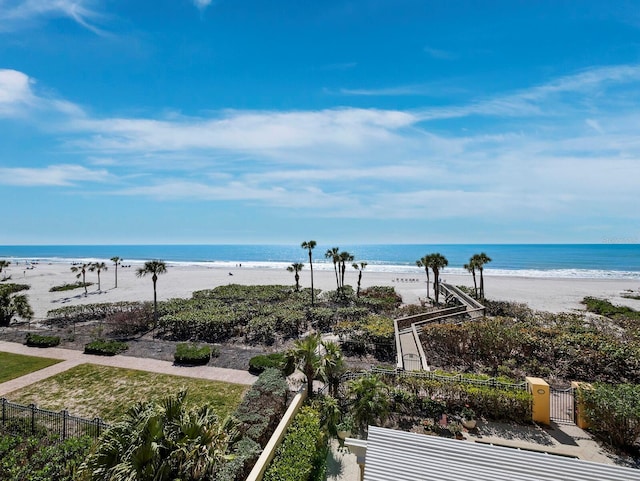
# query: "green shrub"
[244,453]
[613,412]
[36,340]
[105,348]
[192,354]
[70,287]
[277,360]
[301,450]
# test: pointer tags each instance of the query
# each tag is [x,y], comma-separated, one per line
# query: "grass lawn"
[16,365]
[106,392]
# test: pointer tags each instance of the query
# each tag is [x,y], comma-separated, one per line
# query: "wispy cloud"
[53,175]
[201,4]
[20,14]
[439,54]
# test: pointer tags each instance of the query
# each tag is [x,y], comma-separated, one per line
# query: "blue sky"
[371,121]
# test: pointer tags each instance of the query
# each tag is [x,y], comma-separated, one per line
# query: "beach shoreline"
[181,280]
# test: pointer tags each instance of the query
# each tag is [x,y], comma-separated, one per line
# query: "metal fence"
[458,378]
[31,420]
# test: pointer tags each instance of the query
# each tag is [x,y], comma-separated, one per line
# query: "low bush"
[193,354]
[301,451]
[613,412]
[277,360]
[244,454]
[36,340]
[105,348]
[70,287]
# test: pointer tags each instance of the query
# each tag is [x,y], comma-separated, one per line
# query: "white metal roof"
[401,456]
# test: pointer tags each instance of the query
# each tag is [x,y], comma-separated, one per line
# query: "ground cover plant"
[15,365]
[98,391]
[193,354]
[103,347]
[70,287]
[37,340]
[40,458]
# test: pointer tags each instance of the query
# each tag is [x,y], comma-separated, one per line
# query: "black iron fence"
[31,420]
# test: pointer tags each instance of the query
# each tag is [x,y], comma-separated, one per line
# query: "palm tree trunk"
[481,284]
[426,269]
[99,289]
[297,282]
[359,280]
[116,275]
[84,282]
[436,284]
[155,305]
[311,266]
[335,269]
[475,285]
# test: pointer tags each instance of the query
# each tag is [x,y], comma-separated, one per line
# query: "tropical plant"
[334,255]
[116,262]
[310,245]
[344,258]
[164,441]
[296,267]
[425,261]
[480,260]
[154,268]
[471,268]
[369,400]
[81,271]
[13,304]
[98,266]
[332,366]
[359,267]
[306,355]
[3,265]
[437,262]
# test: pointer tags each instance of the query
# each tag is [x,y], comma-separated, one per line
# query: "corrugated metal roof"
[403,456]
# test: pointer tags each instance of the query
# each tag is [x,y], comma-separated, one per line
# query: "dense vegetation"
[13,304]
[521,342]
[70,287]
[192,354]
[101,347]
[37,340]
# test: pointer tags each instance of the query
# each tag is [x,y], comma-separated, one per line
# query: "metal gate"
[411,362]
[563,408]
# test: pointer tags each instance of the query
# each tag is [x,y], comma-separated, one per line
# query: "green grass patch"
[70,287]
[16,365]
[107,392]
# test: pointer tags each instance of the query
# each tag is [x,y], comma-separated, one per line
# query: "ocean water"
[614,261]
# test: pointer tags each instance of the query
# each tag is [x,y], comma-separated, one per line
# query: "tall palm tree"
[359,267]
[296,267]
[161,442]
[116,262]
[344,258]
[98,266]
[471,267]
[438,261]
[310,245]
[306,355]
[81,272]
[334,255]
[481,259]
[155,268]
[425,261]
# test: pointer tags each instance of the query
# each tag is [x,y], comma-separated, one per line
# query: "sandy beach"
[548,294]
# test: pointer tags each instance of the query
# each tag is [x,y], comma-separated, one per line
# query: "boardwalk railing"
[456,378]
[31,420]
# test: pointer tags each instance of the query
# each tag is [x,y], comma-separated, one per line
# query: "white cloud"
[53,175]
[202,4]
[20,14]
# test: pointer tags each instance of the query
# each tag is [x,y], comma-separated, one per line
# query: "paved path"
[72,358]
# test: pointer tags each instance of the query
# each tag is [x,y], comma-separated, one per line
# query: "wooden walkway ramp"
[410,354]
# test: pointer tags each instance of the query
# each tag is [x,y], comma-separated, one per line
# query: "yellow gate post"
[541,411]
[581,420]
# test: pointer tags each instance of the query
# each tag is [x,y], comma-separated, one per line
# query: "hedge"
[192,354]
[299,454]
[36,340]
[105,348]
[277,360]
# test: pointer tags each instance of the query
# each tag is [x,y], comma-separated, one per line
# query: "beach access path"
[71,358]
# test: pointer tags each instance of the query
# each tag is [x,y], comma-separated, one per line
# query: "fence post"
[541,400]
[33,418]
[65,415]
[4,411]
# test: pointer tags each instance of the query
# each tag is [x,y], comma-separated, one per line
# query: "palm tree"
[344,258]
[438,261]
[13,305]
[332,366]
[116,261]
[155,268]
[480,260]
[98,266]
[471,267]
[81,272]
[369,400]
[425,261]
[310,245]
[3,265]
[334,255]
[296,267]
[359,267]
[161,442]
[305,354]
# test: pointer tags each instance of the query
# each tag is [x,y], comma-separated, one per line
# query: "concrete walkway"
[72,358]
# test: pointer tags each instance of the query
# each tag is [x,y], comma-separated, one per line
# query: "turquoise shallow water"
[539,260]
